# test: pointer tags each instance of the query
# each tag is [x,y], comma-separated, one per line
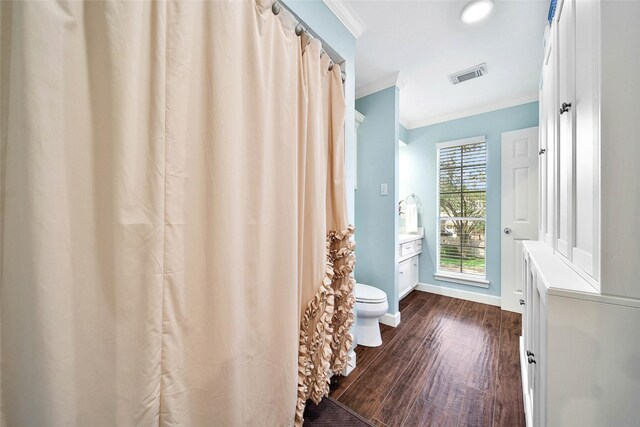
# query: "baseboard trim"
[459,293]
[389,319]
[351,363]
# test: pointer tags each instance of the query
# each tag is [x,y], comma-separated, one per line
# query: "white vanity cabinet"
[409,249]
[581,294]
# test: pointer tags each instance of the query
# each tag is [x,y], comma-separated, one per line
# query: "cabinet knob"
[530,359]
[529,353]
[566,106]
[542,151]
[521,302]
[507,230]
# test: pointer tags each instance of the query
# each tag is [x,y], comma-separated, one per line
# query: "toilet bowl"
[371,303]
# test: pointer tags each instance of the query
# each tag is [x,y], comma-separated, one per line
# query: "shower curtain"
[174,244]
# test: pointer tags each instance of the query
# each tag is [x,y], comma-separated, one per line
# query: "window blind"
[462,187]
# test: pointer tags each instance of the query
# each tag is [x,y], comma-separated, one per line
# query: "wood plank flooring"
[449,363]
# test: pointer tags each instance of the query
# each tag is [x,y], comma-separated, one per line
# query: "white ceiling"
[426,41]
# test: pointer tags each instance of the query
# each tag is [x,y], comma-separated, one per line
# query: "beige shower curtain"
[326,253]
[174,245]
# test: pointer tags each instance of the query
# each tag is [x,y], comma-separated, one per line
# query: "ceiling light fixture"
[476,11]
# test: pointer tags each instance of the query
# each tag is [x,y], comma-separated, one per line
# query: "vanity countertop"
[404,238]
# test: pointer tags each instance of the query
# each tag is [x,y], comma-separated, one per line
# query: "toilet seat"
[368,294]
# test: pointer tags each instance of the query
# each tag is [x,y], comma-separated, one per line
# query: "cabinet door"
[542,165]
[415,268]
[587,136]
[404,279]
[527,313]
[566,91]
[534,338]
[536,369]
[540,365]
[537,361]
[548,142]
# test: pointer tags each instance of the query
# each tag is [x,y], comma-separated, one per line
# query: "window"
[462,213]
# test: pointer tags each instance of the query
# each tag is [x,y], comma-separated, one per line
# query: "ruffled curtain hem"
[325,337]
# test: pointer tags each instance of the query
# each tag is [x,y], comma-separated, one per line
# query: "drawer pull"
[566,106]
[521,302]
[530,359]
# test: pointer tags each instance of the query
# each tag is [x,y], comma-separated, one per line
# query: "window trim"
[461,278]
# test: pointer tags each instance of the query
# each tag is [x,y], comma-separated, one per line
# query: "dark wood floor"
[449,363]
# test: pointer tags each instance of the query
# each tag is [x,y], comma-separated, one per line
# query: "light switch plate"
[384,189]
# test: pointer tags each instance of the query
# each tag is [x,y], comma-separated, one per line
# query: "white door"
[519,208]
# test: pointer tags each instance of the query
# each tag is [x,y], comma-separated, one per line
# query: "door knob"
[507,230]
[566,106]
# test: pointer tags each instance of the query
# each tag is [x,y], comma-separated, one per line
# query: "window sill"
[462,279]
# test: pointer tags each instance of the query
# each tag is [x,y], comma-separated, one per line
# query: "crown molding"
[347,16]
[385,82]
[486,108]
[401,81]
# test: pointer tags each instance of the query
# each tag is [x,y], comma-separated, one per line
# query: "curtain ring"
[275,8]
[343,75]
[330,66]
[299,30]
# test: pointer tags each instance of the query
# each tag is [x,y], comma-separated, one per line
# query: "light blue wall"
[376,215]
[419,172]
[324,24]
[404,133]
[403,191]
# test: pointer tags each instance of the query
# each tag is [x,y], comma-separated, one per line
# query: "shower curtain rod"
[300,29]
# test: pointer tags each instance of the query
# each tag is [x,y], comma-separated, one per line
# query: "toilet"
[371,303]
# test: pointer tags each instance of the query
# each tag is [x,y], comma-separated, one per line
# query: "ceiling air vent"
[468,74]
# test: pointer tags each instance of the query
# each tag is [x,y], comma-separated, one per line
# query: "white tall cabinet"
[580,348]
